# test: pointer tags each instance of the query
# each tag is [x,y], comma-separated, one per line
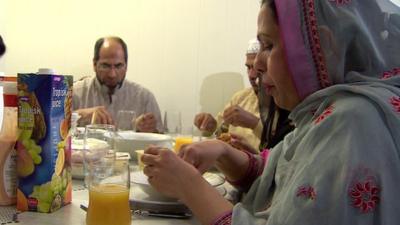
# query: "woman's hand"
[167,173]
[176,178]
[203,155]
[228,160]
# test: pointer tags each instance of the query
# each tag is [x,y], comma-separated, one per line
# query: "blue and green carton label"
[43,146]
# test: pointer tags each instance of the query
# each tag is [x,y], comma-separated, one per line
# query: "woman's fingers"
[155,155]
[186,154]
[149,159]
[153,149]
[149,171]
[151,155]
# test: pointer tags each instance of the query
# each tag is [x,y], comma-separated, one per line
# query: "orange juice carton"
[43,145]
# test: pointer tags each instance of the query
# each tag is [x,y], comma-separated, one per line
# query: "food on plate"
[225,137]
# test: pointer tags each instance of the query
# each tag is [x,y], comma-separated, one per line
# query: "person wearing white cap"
[241,114]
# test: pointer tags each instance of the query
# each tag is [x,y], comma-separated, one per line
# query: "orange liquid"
[179,141]
[108,205]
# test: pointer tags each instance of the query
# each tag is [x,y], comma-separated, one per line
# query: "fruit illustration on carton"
[30,116]
[43,147]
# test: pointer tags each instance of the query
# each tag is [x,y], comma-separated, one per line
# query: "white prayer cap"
[254,46]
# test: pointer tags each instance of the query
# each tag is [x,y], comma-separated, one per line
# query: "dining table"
[73,214]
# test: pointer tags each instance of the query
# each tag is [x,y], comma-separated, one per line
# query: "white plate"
[214,179]
[136,193]
[138,179]
[140,200]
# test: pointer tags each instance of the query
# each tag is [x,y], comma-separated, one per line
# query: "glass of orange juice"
[184,138]
[109,186]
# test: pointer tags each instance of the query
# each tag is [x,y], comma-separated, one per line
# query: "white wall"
[173,45]
[190,53]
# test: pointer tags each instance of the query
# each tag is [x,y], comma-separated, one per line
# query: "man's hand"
[146,123]
[237,116]
[205,122]
[241,143]
[96,115]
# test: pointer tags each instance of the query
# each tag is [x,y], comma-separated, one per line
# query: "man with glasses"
[98,99]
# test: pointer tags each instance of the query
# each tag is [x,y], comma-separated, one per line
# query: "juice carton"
[44,146]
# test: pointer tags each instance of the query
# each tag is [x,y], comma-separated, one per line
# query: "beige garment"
[131,96]
[247,100]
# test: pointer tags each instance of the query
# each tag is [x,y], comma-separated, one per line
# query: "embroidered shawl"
[341,165]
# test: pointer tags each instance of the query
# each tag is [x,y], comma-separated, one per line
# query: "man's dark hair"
[2,46]
[100,42]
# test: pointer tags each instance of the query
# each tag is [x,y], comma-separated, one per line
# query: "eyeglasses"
[109,67]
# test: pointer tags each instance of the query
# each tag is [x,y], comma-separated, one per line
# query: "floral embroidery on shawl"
[364,190]
[395,101]
[315,43]
[341,2]
[365,196]
[391,73]
[328,111]
[307,192]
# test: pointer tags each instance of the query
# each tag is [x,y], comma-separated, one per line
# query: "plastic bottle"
[8,138]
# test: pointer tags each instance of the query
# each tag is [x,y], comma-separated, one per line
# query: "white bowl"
[130,141]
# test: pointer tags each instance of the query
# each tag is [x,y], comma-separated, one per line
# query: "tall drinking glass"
[172,123]
[109,194]
[183,138]
[126,120]
[99,145]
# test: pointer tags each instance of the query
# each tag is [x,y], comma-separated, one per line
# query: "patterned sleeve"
[223,219]
[254,170]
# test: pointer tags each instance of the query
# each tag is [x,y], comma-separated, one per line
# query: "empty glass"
[126,120]
[99,145]
[172,123]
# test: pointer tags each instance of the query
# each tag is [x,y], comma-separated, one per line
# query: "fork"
[223,128]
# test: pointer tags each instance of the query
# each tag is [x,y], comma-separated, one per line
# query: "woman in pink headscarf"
[335,64]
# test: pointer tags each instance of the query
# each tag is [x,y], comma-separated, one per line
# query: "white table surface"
[72,214]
